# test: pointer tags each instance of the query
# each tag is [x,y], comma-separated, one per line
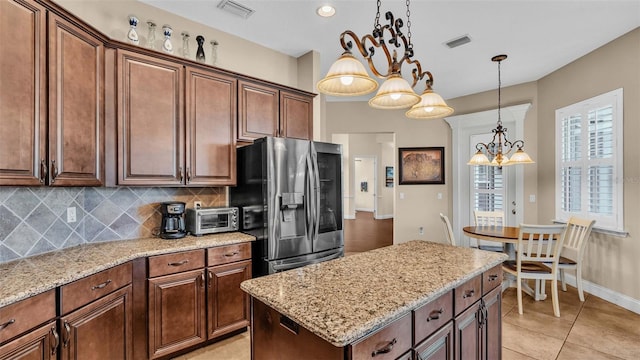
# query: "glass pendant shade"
[521,157]
[395,93]
[479,159]
[347,77]
[431,106]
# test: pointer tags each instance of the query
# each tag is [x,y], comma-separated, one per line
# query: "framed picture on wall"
[421,165]
[388,176]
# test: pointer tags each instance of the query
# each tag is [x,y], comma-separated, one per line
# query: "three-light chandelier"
[348,76]
[500,146]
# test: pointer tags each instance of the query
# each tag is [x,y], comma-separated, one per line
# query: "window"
[589,161]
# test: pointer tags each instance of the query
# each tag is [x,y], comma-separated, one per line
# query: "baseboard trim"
[602,292]
[364,209]
[380,217]
[349,217]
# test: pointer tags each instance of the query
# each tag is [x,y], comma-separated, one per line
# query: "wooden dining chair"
[575,241]
[489,218]
[448,230]
[537,245]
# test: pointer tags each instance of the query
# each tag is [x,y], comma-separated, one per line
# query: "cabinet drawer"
[228,253]
[388,343]
[176,262]
[26,314]
[430,317]
[467,293]
[491,278]
[86,290]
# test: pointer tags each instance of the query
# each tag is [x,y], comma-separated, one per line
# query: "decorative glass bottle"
[132,35]
[185,44]
[166,44]
[214,52]
[151,39]
[200,51]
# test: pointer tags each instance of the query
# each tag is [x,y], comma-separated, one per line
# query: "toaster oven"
[204,221]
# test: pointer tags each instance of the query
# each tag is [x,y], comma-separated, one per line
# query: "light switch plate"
[71,214]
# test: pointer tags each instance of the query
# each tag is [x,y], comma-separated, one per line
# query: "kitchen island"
[384,303]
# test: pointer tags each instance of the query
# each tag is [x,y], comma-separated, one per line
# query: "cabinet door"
[296,116]
[492,325]
[100,330]
[22,93]
[76,92]
[176,312]
[211,100]
[150,120]
[439,346]
[258,111]
[39,344]
[467,334]
[228,304]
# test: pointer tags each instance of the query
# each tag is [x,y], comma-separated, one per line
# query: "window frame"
[609,223]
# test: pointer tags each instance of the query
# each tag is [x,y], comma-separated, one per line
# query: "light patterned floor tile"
[540,323]
[576,352]
[513,355]
[597,338]
[530,343]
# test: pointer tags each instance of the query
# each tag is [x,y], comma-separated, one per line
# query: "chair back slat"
[542,243]
[488,218]
[448,230]
[576,237]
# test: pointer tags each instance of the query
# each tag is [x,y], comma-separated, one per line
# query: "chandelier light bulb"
[428,109]
[346,80]
[395,96]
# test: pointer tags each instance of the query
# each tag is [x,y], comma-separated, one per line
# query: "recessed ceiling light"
[326,11]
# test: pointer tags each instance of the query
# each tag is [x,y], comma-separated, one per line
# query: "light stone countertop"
[345,299]
[23,278]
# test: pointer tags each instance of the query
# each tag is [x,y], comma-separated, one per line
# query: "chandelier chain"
[409,25]
[376,23]
[499,95]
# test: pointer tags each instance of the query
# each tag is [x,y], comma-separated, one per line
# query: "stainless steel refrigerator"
[290,195]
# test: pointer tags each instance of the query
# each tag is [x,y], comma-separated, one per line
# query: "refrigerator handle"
[316,191]
[309,200]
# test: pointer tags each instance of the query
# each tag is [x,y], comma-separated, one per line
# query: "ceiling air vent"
[235,8]
[458,41]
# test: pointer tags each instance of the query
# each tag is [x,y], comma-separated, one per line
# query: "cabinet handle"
[468,293]
[67,334]
[188,175]
[435,314]
[232,254]
[100,286]
[385,350]
[180,173]
[54,347]
[54,171]
[210,278]
[44,172]
[493,277]
[179,263]
[202,279]
[2,326]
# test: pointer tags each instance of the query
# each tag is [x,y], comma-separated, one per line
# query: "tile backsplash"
[33,220]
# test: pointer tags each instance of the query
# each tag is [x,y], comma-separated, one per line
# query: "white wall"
[364,168]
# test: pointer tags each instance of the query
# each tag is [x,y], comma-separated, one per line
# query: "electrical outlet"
[439,196]
[197,204]
[71,214]
[421,230]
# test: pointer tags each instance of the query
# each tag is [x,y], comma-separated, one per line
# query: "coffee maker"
[172,226]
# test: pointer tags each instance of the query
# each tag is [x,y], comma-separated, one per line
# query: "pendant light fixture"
[348,76]
[500,146]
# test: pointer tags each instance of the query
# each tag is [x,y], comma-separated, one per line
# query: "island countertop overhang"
[345,299]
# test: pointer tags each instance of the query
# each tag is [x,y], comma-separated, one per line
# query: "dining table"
[508,235]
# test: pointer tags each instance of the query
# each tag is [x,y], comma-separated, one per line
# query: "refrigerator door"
[304,260]
[327,203]
[288,198]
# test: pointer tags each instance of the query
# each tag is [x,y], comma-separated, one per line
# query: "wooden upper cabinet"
[296,116]
[258,111]
[211,103]
[22,93]
[149,120]
[76,106]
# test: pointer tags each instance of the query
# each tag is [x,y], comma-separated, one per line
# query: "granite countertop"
[345,299]
[34,275]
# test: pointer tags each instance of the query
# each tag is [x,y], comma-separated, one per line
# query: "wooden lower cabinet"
[176,312]
[492,327]
[228,305]
[467,334]
[39,344]
[479,329]
[438,346]
[100,330]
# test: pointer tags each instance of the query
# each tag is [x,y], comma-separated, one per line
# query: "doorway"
[365,185]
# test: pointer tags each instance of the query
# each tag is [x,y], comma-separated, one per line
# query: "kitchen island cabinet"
[358,306]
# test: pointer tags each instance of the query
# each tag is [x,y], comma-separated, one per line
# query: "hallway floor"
[365,233]
[595,329]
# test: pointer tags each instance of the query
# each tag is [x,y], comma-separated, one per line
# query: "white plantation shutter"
[589,161]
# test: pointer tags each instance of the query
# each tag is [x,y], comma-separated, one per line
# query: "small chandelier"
[500,146]
[348,76]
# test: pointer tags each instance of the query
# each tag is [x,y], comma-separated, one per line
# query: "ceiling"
[539,36]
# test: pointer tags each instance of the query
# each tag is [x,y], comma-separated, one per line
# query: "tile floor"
[593,330]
